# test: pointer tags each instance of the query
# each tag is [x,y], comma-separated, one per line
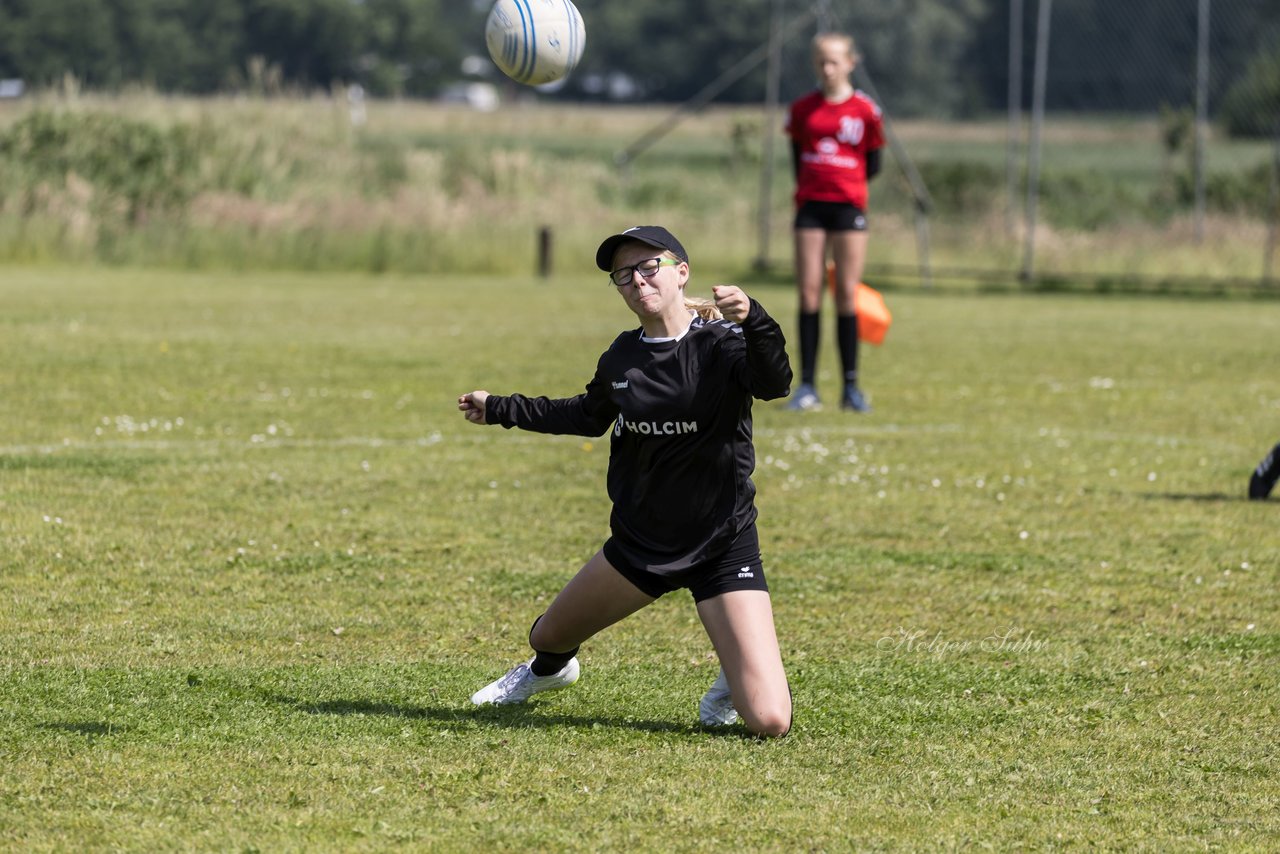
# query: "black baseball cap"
[654,235]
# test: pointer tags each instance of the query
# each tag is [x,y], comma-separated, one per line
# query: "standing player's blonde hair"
[843,38]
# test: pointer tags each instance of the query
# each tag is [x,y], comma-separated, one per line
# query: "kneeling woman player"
[677,393]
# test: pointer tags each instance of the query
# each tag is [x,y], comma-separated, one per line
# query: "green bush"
[1251,107]
[961,187]
[1091,200]
[127,163]
[1073,199]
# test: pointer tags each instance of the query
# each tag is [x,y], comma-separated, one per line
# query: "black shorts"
[739,568]
[831,216]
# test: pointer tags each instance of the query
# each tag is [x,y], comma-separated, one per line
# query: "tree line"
[930,57]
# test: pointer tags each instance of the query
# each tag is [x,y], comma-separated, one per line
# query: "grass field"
[254,563]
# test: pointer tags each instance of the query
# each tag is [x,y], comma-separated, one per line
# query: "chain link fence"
[1138,148]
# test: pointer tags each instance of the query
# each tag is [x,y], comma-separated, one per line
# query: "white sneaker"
[716,708]
[519,684]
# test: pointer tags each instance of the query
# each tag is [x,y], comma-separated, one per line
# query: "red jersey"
[834,139]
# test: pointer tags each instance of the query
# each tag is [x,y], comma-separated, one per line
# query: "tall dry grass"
[420,187]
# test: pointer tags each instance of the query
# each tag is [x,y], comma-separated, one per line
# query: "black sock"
[810,333]
[1270,465]
[548,663]
[847,335]
[1265,475]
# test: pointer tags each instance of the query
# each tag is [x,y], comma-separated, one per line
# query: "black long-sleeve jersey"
[681,457]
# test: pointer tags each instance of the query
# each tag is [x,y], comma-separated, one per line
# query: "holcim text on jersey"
[656,428]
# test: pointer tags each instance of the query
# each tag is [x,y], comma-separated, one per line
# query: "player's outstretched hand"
[732,301]
[472,406]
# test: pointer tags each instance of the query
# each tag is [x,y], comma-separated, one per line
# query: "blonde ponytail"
[704,308]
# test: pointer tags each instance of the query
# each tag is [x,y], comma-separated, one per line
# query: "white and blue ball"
[535,41]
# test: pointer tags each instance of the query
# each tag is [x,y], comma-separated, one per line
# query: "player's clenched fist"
[732,301]
[472,406]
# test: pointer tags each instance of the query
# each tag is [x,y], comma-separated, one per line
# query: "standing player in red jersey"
[836,136]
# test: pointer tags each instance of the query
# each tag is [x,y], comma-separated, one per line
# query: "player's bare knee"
[769,723]
[770,726]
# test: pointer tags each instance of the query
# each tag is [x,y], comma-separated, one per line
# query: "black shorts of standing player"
[739,568]
[831,216]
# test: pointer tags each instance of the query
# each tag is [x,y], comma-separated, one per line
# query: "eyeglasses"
[647,268]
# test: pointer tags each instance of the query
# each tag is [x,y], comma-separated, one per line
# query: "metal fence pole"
[823,14]
[771,87]
[1037,124]
[919,192]
[1273,216]
[1015,112]
[1202,112]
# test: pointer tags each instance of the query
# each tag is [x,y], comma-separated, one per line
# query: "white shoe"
[519,684]
[716,708]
